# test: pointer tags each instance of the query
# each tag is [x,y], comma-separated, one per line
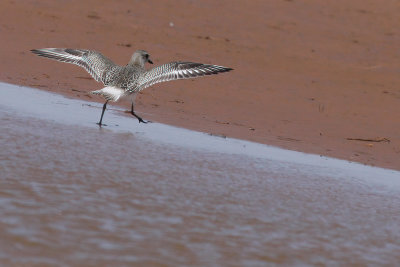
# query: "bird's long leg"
[134,114]
[102,113]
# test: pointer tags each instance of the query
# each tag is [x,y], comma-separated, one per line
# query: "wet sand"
[156,195]
[309,75]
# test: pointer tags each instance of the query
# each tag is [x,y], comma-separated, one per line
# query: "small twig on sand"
[85,78]
[288,139]
[377,140]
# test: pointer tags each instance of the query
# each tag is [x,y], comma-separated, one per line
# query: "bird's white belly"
[111,92]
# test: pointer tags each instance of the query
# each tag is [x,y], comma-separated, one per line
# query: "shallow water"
[126,194]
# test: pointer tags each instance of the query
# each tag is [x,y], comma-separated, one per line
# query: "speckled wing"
[92,61]
[175,71]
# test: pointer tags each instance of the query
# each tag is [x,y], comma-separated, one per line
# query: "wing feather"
[177,70]
[92,61]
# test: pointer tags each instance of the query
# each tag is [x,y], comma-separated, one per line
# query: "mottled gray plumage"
[122,81]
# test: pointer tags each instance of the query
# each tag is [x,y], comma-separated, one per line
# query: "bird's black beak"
[151,62]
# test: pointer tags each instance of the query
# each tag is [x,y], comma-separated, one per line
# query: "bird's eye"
[147,55]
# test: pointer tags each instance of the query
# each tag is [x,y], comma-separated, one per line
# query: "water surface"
[134,194]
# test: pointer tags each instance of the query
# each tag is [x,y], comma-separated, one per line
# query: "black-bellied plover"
[124,81]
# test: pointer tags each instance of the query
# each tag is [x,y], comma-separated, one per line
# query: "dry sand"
[309,75]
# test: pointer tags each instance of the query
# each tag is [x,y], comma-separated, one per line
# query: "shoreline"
[279,153]
[317,94]
[48,107]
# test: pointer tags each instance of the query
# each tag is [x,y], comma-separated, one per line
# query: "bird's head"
[140,57]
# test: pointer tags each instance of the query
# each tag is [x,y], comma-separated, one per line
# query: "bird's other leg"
[134,114]
[102,113]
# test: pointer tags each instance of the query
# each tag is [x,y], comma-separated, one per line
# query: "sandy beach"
[312,76]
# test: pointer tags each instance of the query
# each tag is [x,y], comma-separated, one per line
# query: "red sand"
[308,74]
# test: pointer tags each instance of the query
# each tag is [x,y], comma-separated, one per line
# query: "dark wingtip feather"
[221,69]
[225,69]
[39,52]
[35,51]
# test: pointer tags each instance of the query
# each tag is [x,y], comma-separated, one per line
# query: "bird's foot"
[101,124]
[143,121]
[138,117]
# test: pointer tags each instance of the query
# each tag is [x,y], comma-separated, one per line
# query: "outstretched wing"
[92,61]
[176,71]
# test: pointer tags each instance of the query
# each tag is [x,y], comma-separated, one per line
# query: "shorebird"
[127,81]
